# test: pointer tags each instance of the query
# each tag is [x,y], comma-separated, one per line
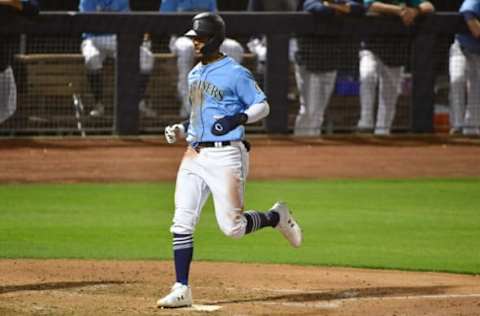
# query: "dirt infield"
[72,287]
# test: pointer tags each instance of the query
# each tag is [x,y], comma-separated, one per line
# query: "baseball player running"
[97,47]
[182,46]
[223,96]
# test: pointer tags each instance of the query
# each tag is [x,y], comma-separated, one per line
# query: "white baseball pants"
[315,88]
[221,171]
[8,94]
[96,49]
[183,48]
[372,72]
[464,69]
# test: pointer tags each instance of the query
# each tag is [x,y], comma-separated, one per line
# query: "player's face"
[198,43]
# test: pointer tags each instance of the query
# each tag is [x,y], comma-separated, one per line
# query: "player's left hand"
[228,123]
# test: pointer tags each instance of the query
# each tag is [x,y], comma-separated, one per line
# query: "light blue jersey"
[218,89]
[188,5]
[102,6]
[470,9]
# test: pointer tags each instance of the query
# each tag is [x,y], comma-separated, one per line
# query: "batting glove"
[228,123]
[174,131]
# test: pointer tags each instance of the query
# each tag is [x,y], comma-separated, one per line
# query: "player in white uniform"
[464,70]
[97,47]
[382,60]
[182,46]
[223,97]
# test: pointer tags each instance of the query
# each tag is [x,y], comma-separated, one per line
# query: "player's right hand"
[174,131]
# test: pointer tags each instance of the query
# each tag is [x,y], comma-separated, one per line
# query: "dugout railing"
[50,73]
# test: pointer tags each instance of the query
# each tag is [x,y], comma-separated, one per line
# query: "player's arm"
[250,95]
[425,7]
[347,8]
[383,8]
[254,113]
[472,23]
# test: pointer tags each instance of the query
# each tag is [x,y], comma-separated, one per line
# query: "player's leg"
[233,49]
[226,177]
[8,94]
[368,68]
[183,48]
[147,62]
[191,194]
[292,52]
[318,89]
[258,47]
[310,90]
[388,92]
[327,85]
[94,62]
[458,83]
[472,110]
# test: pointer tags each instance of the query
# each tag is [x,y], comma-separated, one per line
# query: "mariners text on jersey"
[207,87]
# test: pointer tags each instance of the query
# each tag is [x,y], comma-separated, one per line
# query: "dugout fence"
[53,90]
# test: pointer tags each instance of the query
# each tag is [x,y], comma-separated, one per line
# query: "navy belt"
[214,144]
[201,145]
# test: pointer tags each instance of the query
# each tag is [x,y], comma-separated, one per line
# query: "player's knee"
[458,79]
[236,228]
[234,232]
[184,222]
[147,62]
[93,63]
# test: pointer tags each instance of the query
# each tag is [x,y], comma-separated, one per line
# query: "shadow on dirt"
[376,292]
[53,286]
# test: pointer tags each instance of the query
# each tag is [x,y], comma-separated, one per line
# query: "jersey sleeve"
[248,90]
[168,6]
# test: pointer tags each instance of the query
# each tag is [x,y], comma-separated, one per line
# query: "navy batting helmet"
[210,25]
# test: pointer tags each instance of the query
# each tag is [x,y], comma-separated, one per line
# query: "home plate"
[206,308]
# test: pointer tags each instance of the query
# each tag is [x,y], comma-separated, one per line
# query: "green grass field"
[429,225]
